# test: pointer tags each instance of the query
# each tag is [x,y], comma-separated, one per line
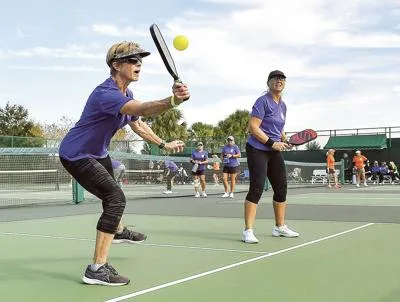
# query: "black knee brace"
[113,208]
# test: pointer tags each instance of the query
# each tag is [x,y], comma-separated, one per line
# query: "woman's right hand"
[280,146]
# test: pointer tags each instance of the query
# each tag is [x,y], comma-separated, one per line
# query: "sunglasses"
[133,60]
[277,78]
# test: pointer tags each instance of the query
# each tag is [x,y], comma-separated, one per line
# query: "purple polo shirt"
[170,165]
[200,156]
[273,116]
[100,120]
[232,161]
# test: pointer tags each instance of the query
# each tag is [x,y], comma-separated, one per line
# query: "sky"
[341,58]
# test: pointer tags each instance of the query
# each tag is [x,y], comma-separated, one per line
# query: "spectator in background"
[199,159]
[229,156]
[367,169]
[330,168]
[119,171]
[375,172]
[171,171]
[216,168]
[359,164]
[182,174]
[383,171]
[394,173]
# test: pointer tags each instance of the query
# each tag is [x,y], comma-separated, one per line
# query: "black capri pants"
[264,164]
[97,177]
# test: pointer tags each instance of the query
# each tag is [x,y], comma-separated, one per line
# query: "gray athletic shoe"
[105,275]
[129,236]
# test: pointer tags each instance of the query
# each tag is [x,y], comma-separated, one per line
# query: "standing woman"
[83,151]
[330,168]
[229,156]
[199,159]
[264,158]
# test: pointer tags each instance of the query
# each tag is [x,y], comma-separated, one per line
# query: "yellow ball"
[181,42]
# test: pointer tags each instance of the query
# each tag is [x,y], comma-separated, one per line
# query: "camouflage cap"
[124,50]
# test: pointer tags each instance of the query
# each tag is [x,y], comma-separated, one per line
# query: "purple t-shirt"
[169,164]
[100,120]
[232,161]
[200,156]
[273,116]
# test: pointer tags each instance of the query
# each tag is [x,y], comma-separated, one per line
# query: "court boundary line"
[144,243]
[197,276]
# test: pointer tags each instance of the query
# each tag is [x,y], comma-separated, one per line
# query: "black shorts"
[331,171]
[229,170]
[198,173]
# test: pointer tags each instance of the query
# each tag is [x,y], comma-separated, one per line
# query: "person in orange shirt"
[330,168]
[359,163]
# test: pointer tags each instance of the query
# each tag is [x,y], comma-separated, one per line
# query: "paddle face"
[303,137]
[164,51]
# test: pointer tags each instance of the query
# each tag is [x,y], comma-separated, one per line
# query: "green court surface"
[196,254]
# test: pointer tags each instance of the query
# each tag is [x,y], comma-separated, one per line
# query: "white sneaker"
[203,194]
[248,236]
[167,192]
[357,185]
[283,231]
[231,195]
[225,195]
[197,195]
[365,184]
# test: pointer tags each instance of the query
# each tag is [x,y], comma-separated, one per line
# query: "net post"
[77,192]
[342,178]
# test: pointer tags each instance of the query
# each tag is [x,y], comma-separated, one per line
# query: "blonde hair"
[122,50]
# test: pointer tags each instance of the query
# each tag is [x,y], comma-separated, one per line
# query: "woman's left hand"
[174,146]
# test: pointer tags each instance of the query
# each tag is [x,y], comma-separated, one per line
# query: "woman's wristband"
[162,144]
[172,101]
[269,142]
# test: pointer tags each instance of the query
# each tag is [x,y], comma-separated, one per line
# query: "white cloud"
[69,51]
[114,31]
[370,40]
[58,68]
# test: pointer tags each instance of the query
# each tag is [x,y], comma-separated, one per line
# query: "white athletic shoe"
[225,195]
[283,231]
[203,194]
[248,236]
[167,192]
[357,185]
[197,195]
[231,195]
[365,184]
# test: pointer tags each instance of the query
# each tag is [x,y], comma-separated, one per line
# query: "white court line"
[146,244]
[344,197]
[152,289]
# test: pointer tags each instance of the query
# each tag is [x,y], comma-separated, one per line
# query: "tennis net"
[27,179]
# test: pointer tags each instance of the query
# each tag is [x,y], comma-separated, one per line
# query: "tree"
[314,145]
[14,121]
[235,124]
[168,125]
[59,129]
[16,126]
[199,130]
